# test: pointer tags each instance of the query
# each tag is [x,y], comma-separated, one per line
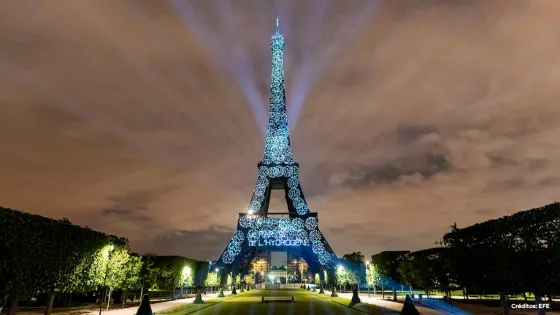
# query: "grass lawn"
[186,308]
[306,302]
[362,307]
[191,308]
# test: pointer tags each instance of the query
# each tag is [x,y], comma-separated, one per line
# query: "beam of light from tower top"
[103,26]
[310,48]
[317,57]
[71,103]
[235,62]
[225,124]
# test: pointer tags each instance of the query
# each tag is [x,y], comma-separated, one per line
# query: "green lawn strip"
[190,308]
[365,308]
[185,309]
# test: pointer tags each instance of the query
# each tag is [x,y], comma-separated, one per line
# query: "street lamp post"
[186,276]
[219,280]
[109,250]
[341,270]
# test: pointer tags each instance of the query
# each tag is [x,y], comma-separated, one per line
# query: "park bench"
[278,299]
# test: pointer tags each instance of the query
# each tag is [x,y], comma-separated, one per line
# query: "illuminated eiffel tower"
[259,231]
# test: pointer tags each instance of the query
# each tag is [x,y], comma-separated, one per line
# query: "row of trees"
[213,280]
[40,255]
[426,269]
[511,255]
[351,270]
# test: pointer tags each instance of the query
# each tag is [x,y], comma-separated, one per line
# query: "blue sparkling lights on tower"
[277,149]
[277,170]
[278,161]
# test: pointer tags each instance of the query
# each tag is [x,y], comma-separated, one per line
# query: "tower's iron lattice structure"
[259,231]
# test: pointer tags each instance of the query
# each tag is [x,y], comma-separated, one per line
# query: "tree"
[354,267]
[75,259]
[212,280]
[147,277]
[81,245]
[355,258]
[171,272]
[372,277]
[251,277]
[237,280]
[119,266]
[508,255]
[132,271]
[258,277]
[388,262]
[408,273]
[89,274]
[346,276]
[188,275]
[61,246]
[200,270]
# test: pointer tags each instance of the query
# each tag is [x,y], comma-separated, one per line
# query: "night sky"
[145,118]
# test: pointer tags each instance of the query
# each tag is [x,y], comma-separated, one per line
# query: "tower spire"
[277,149]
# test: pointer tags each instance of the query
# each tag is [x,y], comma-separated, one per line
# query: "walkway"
[156,307]
[395,306]
[436,304]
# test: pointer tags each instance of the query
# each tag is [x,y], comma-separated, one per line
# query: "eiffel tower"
[259,231]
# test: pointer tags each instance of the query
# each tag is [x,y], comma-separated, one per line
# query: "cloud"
[121,117]
[424,165]
[186,243]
